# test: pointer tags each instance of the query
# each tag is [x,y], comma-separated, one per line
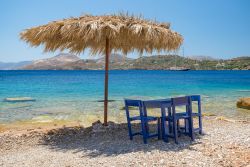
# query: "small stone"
[18,99]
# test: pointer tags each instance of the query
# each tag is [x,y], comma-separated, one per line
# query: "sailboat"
[179,69]
[175,68]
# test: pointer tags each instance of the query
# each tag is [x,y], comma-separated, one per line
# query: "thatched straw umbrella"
[102,35]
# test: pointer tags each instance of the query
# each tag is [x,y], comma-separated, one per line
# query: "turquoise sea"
[74,95]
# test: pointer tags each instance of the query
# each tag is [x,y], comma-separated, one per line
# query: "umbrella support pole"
[107,50]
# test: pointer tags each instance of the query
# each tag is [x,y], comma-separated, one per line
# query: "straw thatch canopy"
[126,34]
[102,34]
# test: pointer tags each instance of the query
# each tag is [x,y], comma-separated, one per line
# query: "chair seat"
[196,114]
[181,115]
[149,118]
[185,115]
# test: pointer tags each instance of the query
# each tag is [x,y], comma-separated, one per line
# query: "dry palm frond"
[126,34]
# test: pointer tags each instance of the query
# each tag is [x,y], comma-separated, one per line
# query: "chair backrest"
[161,104]
[133,103]
[156,103]
[196,98]
[181,101]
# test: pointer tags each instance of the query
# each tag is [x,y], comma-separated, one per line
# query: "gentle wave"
[242,90]
[74,95]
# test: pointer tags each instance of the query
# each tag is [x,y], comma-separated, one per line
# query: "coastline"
[64,61]
[128,69]
[22,127]
[224,143]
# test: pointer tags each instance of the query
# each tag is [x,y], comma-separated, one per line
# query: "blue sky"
[217,28]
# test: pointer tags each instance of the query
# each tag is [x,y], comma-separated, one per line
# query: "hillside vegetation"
[157,62]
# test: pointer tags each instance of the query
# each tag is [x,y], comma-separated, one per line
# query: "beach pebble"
[161,161]
[99,127]
[224,144]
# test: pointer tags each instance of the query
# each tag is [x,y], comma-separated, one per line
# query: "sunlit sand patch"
[208,114]
[42,118]
[24,126]
[2,128]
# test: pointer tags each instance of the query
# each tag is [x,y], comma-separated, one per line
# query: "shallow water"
[74,95]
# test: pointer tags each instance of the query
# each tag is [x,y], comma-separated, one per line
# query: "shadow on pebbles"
[222,144]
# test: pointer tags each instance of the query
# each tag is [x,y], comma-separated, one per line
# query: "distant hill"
[71,62]
[13,66]
[238,63]
[158,62]
[114,58]
[247,58]
[201,58]
[52,63]
[65,61]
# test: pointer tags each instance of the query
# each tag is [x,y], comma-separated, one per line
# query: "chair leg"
[130,130]
[200,116]
[175,131]
[164,135]
[178,128]
[144,131]
[146,128]
[170,127]
[169,122]
[186,125]
[200,124]
[163,125]
[191,131]
[159,128]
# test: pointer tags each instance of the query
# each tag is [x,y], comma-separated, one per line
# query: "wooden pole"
[106,82]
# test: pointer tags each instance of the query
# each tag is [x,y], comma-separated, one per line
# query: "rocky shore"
[244,103]
[224,143]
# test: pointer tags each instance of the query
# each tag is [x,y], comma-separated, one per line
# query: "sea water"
[74,95]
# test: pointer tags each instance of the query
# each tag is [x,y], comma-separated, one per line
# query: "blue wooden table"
[161,104]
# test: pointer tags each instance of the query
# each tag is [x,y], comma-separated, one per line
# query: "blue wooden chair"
[173,118]
[194,98]
[143,118]
[197,98]
[158,104]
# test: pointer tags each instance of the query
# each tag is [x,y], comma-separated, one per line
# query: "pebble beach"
[224,143]
[125,83]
